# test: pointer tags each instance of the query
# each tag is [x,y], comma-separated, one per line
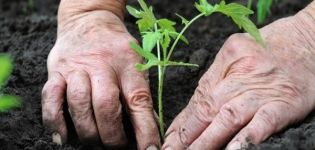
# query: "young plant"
[6,101]
[162,35]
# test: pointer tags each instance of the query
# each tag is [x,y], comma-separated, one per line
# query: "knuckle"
[139,99]
[78,93]
[204,104]
[243,65]
[268,118]
[233,42]
[108,103]
[230,117]
[52,87]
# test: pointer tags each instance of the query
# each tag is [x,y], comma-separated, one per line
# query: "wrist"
[305,23]
[70,9]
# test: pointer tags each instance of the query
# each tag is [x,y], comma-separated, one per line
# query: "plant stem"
[249,4]
[181,34]
[160,102]
[160,87]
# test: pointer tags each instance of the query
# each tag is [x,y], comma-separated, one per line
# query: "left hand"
[250,92]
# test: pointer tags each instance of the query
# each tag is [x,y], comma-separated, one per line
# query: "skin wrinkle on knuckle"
[139,100]
[108,105]
[204,104]
[269,118]
[76,94]
[229,117]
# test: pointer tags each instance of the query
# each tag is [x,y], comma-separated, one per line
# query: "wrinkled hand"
[250,92]
[93,65]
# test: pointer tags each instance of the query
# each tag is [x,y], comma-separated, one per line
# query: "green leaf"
[5,68]
[147,66]
[182,38]
[166,24]
[150,40]
[184,20]
[145,25]
[8,102]
[239,15]
[165,42]
[233,9]
[204,7]
[263,9]
[143,5]
[146,17]
[146,54]
[132,11]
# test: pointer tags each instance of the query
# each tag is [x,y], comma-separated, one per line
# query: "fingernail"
[56,138]
[234,146]
[152,147]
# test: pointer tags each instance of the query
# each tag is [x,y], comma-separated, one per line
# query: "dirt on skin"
[29,34]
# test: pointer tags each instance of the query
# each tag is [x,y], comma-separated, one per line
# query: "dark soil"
[29,35]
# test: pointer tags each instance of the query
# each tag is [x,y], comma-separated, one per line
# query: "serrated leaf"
[249,27]
[133,11]
[143,5]
[147,66]
[182,38]
[5,68]
[145,25]
[165,42]
[145,54]
[8,102]
[239,15]
[263,9]
[150,40]
[166,24]
[146,17]
[204,7]
[184,20]
[233,9]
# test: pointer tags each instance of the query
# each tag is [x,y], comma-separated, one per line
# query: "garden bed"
[29,35]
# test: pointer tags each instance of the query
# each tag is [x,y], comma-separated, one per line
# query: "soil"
[29,34]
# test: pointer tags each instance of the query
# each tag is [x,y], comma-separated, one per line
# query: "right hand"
[93,65]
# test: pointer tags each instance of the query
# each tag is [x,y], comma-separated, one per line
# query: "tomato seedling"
[162,35]
[6,101]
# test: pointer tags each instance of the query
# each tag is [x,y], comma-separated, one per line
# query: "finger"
[269,119]
[231,118]
[52,107]
[195,118]
[107,108]
[191,122]
[80,106]
[137,96]
[199,113]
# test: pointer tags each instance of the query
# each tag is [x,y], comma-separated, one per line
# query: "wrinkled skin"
[93,66]
[250,92]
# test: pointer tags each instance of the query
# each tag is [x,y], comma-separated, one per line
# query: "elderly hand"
[251,92]
[94,67]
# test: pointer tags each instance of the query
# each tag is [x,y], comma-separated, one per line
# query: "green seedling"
[160,34]
[6,101]
[263,9]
